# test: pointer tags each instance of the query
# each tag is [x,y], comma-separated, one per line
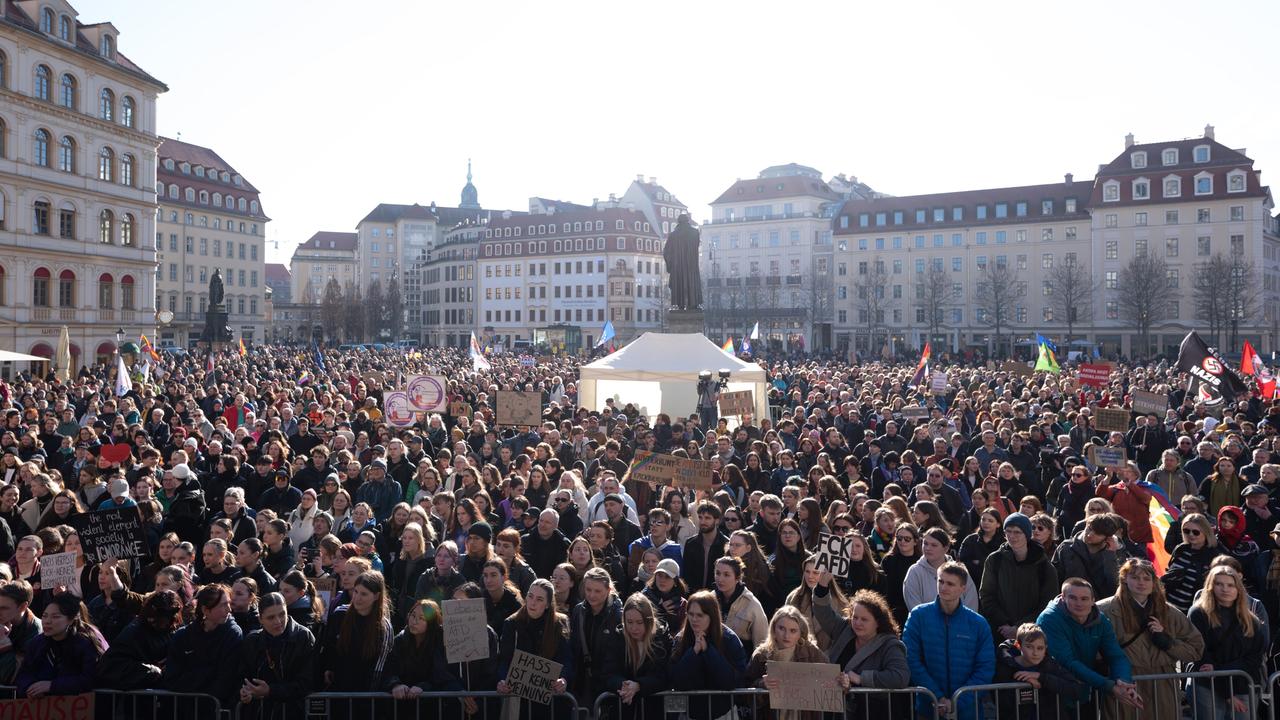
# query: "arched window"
[106,164]
[159,189]
[67,96]
[241,204]
[126,170]
[217,199]
[40,217]
[41,89]
[106,291]
[126,111]
[106,227]
[64,28]
[126,293]
[67,154]
[40,150]
[126,230]
[106,104]
[40,287]
[253,206]
[46,21]
[66,289]
[204,197]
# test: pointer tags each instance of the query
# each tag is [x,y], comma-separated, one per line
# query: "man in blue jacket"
[948,645]
[1078,634]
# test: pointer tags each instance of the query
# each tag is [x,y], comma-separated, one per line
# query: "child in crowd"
[1025,659]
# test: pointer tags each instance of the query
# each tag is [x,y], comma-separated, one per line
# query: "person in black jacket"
[278,664]
[545,547]
[636,660]
[134,659]
[701,551]
[592,625]
[417,663]
[249,560]
[204,656]
[539,630]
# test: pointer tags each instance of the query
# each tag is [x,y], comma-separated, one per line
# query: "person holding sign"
[62,659]
[864,643]
[789,641]
[708,655]
[539,630]
[417,663]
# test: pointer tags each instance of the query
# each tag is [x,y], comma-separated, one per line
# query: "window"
[1140,247]
[1113,280]
[66,289]
[919,241]
[106,104]
[107,47]
[46,21]
[1236,181]
[1113,249]
[126,111]
[980,238]
[1138,160]
[1070,233]
[41,87]
[1173,186]
[939,214]
[106,227]
[67,154]
[106,291]
[897,217]
[1022,262]
[67,222]
[1171,247]
[1046,234]
[1141,189]
[1204,184]
[1170,217]
[1169,157]
[40,217]
[1140,219]
[1203,246]
[957,240]
[1020,209]
[1046,261]
[126,170]
[67,94]
[1046,207]
[1071,205]
[981,212]
[1237,245]
[1002,237]
[106,164]
[40,148]
[1201,153]
[957,264]
[1111,191]
[937,240]
[1112,220]
[920,217]
[1171,278]
[957,213]
[1202,215]
[126,230]
[40,288]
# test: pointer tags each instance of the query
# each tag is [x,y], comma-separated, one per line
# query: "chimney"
[1128,141]
[1069,177]
[613,197]
[1208,132]
[640,178]
[653,180]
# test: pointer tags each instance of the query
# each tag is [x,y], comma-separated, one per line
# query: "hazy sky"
[332,107]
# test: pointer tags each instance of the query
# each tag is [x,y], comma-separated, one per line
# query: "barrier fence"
[860,704]
[487,705]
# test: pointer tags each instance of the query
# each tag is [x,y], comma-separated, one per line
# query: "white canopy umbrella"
[9,356]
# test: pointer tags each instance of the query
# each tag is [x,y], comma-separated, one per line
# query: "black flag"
[1213,382]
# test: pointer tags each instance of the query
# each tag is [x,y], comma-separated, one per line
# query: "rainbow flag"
[1163,513]
[728,345]
[922,368]
[305,377]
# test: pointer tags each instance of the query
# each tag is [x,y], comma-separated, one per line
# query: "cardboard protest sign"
[427,393]
[1014,367]
[1110,419]
[835,554]
[326,590]
[519,407]
[52,707]
[658,469]
[736,403]
[398,409]
[58,569]
[466,634]
[1095,374]
[805,686]
[1108,456]
[458,409]
[1144,402]
[530,677]
[112,533]
[938,385]
[914,412]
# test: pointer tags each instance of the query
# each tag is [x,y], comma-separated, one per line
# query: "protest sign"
[658,469]
[938,386]
[50,707]
[835,553]
[519,407]
[466,634]
[111,533]
[427,393]
[1095,374]
[459,409]
[326,590]
[58,569]
[736,403]
[1014,367]
[531,677]
[805,686]
[1144,402]
[398,409]
[1110,419]
[1114,457]
[914,412]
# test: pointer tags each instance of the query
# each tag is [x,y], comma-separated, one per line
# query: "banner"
[111,533]
[658,469]
[1212,381]
[1095,374]
[49,707]
[398,408]
[737,403]
[427,393]
[1110,419]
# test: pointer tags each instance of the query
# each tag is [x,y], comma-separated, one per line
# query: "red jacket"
[1133,504]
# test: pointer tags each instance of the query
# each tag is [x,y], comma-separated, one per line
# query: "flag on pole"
[305,377]
[319,357]
[728,345]
[1251,364]
[243,352]
[755,331]
[146,370]
[1042,340]
[607,333]
[208,366]
[1249,360]
[922,367]
[478,360]
[1047,361]
[1213,382]
[148,349]
[123,384]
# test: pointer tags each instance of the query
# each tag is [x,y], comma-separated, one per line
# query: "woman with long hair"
[986,539]
[1189,564]
[417,663]
[244,604]
[357,638]
[741,610]
[744,546]
[590,624]
[1223,486]
[279,662]
[802,599]
[1044,532]
[501,596]
[668,593]
[899,506]
[866,644]
[789,640]
[708,655]
[901,557]
[412,562]
[1234,541]
[636,660]
[303,602]
[1154,635]
[682,528]
[925,514]
[996,496]
[539,630]
[61,660]
[205,656]
[565,581]
[809,516]
[921,583]
[786,565]
[864,571]
[1233,640]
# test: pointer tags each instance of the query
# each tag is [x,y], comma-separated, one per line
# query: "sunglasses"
[842,528]
[904,538]
[1192,532]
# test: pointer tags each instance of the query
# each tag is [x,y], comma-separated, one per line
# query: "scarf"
[727,602]
[1223,492]
[1233,536]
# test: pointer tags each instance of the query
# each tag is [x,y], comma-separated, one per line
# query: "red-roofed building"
[78,219]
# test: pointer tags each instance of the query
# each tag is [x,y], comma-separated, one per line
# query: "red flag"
[1248,360]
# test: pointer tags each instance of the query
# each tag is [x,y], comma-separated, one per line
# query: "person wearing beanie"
[380,490]
[118,491]
[479,550]
[1018,563]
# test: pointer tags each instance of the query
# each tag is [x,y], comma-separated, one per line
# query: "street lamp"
[119,338]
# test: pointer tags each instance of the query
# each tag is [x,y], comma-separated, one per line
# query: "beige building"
[210,218]
[77,198]
[324,256]
[449,287]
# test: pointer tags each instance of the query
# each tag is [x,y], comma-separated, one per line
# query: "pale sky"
[332,107]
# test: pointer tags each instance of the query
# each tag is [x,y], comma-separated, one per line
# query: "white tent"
[658,372]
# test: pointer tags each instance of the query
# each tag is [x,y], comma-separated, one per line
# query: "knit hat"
[181,471]
[482,531]
[1019,521]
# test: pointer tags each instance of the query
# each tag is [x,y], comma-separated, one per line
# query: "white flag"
[123,384]
[755,332]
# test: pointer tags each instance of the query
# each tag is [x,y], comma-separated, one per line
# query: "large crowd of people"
[298,542]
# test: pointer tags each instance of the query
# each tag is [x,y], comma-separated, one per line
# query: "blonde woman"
[789,640]
[1233,640]
[802,599]
[635,661]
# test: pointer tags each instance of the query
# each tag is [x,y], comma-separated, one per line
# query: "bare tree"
[934,298]
[354,316]
[375,307]
[393,309]
[1207,296]
[999,287]
[1144,297]
[873,300]
[333,307]
[1071,291]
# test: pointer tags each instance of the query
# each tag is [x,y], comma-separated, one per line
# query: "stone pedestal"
[216,333]
[685,321]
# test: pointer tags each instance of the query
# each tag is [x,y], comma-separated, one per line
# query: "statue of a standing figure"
[215,288]
[681,256]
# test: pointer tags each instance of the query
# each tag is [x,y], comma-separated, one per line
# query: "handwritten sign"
[1110,419]
[326,590]
[1014,367]
[915,412]
[58,569]
[835,554]
[531,677]
[938,385]
[54,707]
[737,403]
[1149,402]
[1114,457]
[466,630]
[459,409]
[427,393]
[658,469]
[111,533]
[1095,374]
[805,686]
[519,407]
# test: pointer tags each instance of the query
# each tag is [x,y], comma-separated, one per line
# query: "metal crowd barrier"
[860,704]
[486,705]
[1169,696]
[147,704]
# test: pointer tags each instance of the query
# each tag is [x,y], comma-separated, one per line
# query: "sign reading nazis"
[658,469]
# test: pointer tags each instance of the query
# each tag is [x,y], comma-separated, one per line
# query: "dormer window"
[226,176]
[107,47]
[1141,189]
[1236,181]
[1169,157]
[1173,186]
[1138,160]
[46,21]
[64,28]
[186,168]
[199,171]
[1204,184]
[238,181]
[168,163]
[1201,153]
[1111,191]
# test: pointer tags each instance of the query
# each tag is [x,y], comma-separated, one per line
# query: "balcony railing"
[773,280]
[761,218]
[795,280]
[106,315]
[67,314]
[41,314]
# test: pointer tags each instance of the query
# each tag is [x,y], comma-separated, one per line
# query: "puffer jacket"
[1035,578]
[946,652]
[1077,646]
[134,660]
[286,664]
[713,669]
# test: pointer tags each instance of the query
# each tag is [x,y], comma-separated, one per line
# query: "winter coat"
[946,652]
[715,668]
[1073,559]
[895,569]
[498,612]
[974,551]
[405,574]
[589,635]
[134,659]
[543,555]
[881,663]
[1131,502]
[1025,704]
[652,675]
[350,673]
[1185,574]
[205,662]
[431,586]
[426,668]
[921,586]
[746,618]
[528,637]
[698,566]
[278,564]
[68,664]
[286,664]
[1151,654]
[1034,577]
[1227,648]
[758,666]
[1078,646]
